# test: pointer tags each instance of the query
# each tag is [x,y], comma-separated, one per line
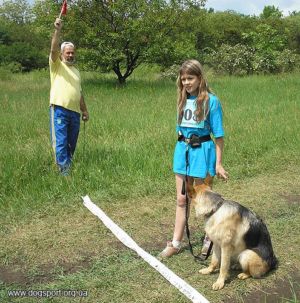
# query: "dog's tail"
[264,247]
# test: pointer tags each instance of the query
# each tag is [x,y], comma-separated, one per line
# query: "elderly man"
[66,101]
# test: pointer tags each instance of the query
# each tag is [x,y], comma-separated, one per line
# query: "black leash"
[84,150]
[184,191]
[84,139]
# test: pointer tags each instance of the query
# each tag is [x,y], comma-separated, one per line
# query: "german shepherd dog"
[237,234]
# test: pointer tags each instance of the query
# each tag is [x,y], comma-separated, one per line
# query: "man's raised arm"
[54,54]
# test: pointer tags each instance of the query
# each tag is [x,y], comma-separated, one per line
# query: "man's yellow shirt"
[65,85]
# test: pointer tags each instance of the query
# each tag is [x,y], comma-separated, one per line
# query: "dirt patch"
[14,274]
[44,273]
[9,275]
[284,288]
[291,199]
[17,274]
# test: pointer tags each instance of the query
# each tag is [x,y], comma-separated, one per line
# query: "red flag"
[64,8]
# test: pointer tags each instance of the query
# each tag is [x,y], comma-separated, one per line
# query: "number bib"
[189,119]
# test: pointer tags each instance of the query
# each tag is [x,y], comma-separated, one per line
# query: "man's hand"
[58,24]
[85,116]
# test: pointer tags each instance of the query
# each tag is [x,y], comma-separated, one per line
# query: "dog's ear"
[201,188]
[194,190]
[209,181]
[191,191]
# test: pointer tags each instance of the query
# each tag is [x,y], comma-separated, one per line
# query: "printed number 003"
[188,115]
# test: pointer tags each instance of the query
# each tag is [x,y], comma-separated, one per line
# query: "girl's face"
[190,83]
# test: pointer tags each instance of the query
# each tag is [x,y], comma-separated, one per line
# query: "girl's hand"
[221,172]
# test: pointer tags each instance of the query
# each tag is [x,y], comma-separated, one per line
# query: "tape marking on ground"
[180,284]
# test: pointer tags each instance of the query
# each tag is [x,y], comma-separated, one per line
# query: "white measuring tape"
[180,284]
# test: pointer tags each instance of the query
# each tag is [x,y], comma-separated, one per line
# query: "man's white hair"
[64,44]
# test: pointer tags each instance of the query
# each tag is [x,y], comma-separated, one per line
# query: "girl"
[199,115]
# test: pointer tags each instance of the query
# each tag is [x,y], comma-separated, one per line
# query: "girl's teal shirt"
[201,160]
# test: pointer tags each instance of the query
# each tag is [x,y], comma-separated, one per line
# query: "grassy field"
[50,241]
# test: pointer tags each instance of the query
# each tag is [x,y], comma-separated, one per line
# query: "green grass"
[50,241]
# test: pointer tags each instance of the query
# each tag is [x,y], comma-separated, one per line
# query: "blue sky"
[253,7]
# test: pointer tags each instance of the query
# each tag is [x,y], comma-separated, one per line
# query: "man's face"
[68,55]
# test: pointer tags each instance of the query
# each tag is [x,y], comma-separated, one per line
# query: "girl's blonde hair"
[193,67]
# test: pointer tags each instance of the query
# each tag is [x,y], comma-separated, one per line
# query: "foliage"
[263,51]
[214,29]
[287,61]
[292,23]
[267,44]
[168,54]
[120,35]
[171,72]
[21,48]
[265,38]
[270,11]
[232,60]
[45,12]
[21,56]
[17,11]
[17,51]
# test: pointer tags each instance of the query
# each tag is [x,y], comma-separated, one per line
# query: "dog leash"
[184,191]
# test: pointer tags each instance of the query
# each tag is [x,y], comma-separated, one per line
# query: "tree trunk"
[121,78]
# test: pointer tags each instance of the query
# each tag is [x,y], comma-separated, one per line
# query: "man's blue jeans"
[64,131]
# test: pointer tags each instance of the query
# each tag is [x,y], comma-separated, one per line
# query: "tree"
[267,43]
[119,35]
[270,11]
[215,29]
[20,45]
[292,25]
[17,11]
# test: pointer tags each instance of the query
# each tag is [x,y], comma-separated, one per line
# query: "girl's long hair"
[193,67]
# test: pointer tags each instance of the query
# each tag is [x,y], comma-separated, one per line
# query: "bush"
[287,61]
[275,62]
[171,72]
[6,70]
[264,63]
[232,60]
[22,56]
[14,67]
[242,60]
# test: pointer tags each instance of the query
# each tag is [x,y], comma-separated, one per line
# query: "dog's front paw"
[243,276]
[206,271]
[219,284]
